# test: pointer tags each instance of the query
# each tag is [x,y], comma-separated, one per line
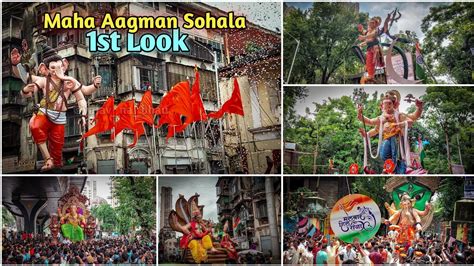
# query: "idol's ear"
[65,65]
[43,69]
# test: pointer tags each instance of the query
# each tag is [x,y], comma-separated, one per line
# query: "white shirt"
[351,255]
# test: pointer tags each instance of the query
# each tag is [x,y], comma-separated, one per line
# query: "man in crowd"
[39,250]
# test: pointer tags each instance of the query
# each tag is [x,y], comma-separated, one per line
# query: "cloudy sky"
[205,186]
[412,13]
[318,94]
[265,14]
[103,190]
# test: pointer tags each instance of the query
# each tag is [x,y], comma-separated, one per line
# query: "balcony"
[224,207]
[222,192]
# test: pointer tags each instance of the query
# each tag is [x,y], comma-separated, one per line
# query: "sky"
[205,186]
[103,190]
[412,13]
[318,94]
[265,14]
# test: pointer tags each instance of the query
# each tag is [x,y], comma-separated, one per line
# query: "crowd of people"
[36,249]
[428,249]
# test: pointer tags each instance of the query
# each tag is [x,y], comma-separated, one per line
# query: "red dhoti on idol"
[373,59]
[43,129]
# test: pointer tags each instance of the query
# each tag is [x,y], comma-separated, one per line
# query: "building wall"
[100,149]
[165,206]
[258,131]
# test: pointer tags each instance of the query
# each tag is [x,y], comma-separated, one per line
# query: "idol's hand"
[97,80]
[82,122]
[419,104]
[359,113]
[15,57]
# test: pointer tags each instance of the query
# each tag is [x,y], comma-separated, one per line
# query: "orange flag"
[182,104]
[163,110]
[126,113]
[145,110]
[104,119]
[231,106]
[197,106]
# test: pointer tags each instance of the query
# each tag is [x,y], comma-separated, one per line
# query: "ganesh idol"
[370,37]
[407,220]
[48,121]
[196,232]
[392,129]
[72,224]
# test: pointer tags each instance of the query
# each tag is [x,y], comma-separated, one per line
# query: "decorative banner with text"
[355,216]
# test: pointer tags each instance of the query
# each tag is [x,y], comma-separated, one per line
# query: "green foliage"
[292,95]
[326,32]
[447,30]
[137,204]
[373,186]
[332,129]
[7,218]
[106,215]
[450,190]
[449,113]
[295,201]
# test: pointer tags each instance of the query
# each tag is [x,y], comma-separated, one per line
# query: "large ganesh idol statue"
[197,232]
[411,211]
[391,127]
[370,37]
[45,71]
[74,216]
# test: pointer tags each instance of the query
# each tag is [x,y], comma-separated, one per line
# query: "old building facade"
[253,142]
[252,207]
[124,75]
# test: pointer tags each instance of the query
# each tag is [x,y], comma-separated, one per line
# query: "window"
[178,73]
[172,9]
[72,126]
[10,138]
[81,37]
[149,78]
[54,41]
[261,211]
[146,79]
[155,5]
[216,46]
[274,101]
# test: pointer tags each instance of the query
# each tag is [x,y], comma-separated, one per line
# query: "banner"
[355,216]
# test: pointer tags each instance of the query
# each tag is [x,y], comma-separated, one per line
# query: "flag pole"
[153,142]
[149,145]
[175,151]
[204,144]
[195,139]
[115,136]
[219,102]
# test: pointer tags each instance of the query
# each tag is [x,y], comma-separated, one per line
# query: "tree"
[448,38]
[449,191]
[292,95]
[332,128]
[106,215]
[326,32]
[137,204]
[374,188]
[449,112]
[7,218]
